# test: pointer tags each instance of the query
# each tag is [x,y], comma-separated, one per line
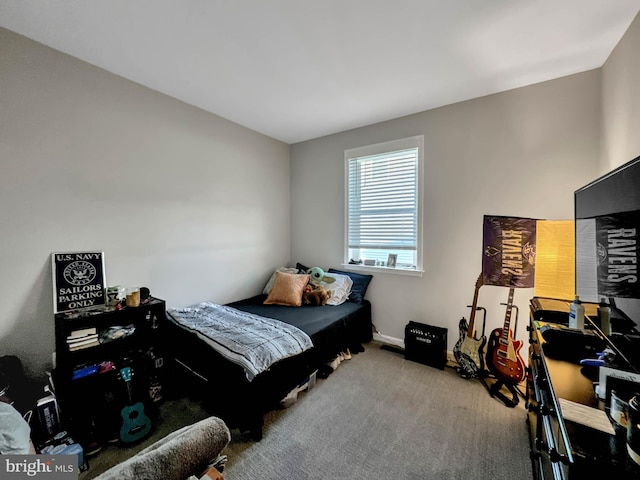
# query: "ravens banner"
[509,251]
[617,255]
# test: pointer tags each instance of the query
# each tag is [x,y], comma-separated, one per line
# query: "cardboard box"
[212,473]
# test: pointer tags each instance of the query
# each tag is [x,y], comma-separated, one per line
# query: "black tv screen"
[607,225]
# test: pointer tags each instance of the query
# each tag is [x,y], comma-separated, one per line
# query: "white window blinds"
[382,205]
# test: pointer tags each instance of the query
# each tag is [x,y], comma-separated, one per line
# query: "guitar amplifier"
[426,344]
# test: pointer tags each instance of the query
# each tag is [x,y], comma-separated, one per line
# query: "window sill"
[372,269]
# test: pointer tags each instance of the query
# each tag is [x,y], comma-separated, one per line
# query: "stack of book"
[84,338]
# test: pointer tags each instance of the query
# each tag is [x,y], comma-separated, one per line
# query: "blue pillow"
[360,284]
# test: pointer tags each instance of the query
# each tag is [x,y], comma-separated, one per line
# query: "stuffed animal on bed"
[316,275]
[315,295]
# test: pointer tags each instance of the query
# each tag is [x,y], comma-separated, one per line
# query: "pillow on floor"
[287,289]
[360,284]
[176,456]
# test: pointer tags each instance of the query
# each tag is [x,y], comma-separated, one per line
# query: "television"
[607,226]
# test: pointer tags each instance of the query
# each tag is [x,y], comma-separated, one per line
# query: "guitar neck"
[506,329]
[474,307]
[125,374]
[129,391]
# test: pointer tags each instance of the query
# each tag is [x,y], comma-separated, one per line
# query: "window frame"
[375,149]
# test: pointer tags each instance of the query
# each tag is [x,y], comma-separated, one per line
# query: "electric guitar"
[503,352]
[135,424]
[469,350]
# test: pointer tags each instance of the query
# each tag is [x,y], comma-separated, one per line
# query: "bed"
[241,397]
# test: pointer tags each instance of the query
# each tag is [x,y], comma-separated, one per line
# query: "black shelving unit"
[91,403]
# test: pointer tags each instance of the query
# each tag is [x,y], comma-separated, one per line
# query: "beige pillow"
[287,289]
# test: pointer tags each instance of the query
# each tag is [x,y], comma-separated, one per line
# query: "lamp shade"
[555,259]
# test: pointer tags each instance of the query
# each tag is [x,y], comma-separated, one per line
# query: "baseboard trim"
[397,342]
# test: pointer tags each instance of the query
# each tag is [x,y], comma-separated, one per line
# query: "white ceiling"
[300,69]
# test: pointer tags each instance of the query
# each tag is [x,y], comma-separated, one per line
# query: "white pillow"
[340,289]
[269,285]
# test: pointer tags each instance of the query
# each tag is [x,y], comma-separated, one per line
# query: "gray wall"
[521,153]
[196,207]
[621,101]
[181,201]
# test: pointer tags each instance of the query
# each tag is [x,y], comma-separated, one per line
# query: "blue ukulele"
[135,424]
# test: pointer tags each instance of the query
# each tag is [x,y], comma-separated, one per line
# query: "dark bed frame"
[223,385]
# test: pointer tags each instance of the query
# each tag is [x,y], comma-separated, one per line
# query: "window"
[383,192]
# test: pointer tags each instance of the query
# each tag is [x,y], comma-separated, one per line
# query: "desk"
[561,449]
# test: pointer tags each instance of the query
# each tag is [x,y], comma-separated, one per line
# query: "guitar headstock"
[126,373]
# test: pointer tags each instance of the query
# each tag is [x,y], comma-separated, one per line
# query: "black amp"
[426,344]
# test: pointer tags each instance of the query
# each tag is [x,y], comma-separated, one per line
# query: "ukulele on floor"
[503,352]
[135,424]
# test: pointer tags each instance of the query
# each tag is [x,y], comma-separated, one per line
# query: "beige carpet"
[381,416]
[377,416]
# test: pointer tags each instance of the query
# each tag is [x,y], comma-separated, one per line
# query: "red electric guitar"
[503,352]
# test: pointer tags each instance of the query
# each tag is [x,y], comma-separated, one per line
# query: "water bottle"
[604,317]
[576,314]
